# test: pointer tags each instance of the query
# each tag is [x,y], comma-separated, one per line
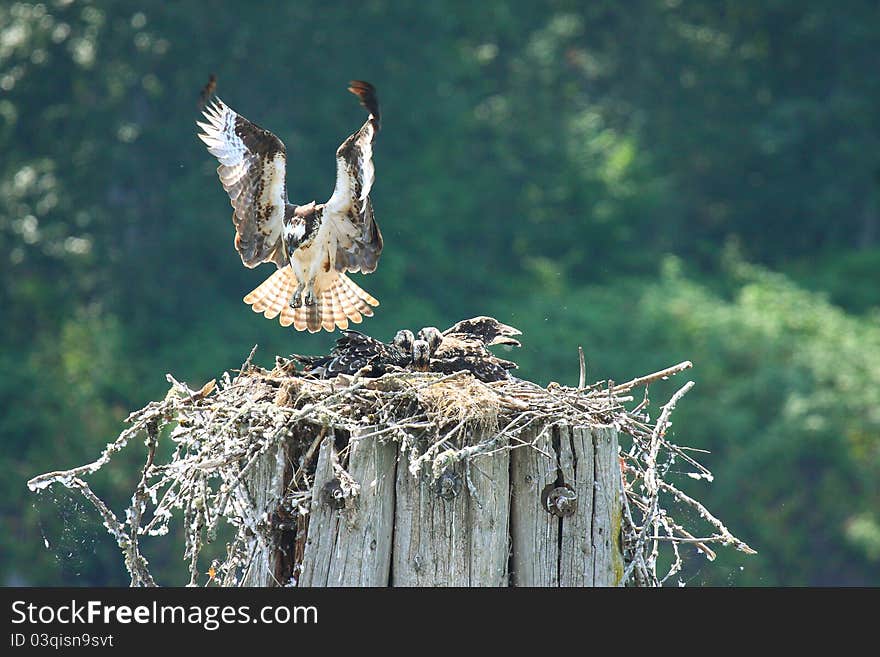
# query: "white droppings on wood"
[266,487]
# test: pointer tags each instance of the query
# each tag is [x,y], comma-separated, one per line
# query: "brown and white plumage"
[465,346]
[487,330]
[356,353]
[313,245]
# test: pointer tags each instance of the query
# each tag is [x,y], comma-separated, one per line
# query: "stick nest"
[219,434]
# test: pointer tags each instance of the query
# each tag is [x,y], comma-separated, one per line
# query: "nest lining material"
[221,431]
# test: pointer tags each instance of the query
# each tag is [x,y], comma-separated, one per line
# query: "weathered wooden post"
[545,513]
[348,542]
[566,516]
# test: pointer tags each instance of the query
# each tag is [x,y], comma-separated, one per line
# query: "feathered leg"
[296,302]
[297,268]
[310,299]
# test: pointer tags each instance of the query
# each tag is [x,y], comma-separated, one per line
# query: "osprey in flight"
[313,245]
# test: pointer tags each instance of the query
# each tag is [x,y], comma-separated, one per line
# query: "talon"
[310,298]
[296,302]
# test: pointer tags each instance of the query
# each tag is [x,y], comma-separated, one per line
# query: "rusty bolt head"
[332,494]
[448,485]
[561,501]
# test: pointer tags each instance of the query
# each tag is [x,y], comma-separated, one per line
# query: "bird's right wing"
[252,171]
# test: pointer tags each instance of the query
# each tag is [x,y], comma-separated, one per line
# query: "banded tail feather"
[343,302]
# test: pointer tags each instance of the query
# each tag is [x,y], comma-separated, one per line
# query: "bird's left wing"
[359,241]
[252,171]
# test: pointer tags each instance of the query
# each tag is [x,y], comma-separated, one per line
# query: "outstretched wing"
[486,369]
[353,352]
[252,171]
[358,239]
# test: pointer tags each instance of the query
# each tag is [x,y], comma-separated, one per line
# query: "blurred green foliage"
[656,181]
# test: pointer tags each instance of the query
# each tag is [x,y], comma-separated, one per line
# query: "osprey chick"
[355,351]
[465,346]
[313,245]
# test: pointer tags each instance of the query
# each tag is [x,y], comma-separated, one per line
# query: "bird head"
[432,336]
[421,355]
[404,340]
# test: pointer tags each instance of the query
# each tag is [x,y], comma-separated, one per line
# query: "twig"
[724,534]
[662,374]
[582,376]
[650,479]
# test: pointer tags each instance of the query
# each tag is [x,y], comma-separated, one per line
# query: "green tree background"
[656,180]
